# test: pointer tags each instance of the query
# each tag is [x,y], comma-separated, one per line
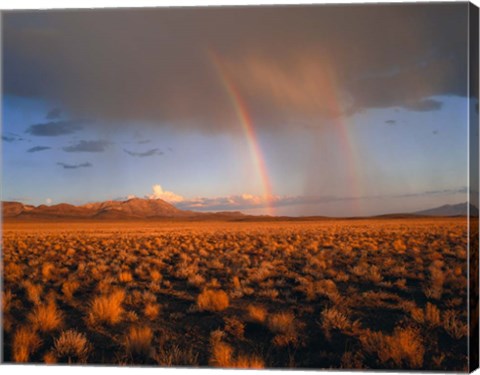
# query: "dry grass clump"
[138,342]
[434,289]
[71,347]
[222,355]
[25,342]
[12,272]
[7,301]
[46,317]
[282,322]
[151,310]
[403,349]
[432,315]
[453,325]
[33,291]
[334,319]
[212,300]
[176,355]
[256,313]
[107,308]
[125,277]
[235,327]
[47,270]
[69,287]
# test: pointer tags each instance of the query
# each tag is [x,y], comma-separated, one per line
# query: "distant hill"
[459,209]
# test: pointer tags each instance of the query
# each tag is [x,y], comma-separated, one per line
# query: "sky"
[311,110]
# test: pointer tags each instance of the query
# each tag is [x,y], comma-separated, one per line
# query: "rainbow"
[345,133]
[246,121]
[346,138]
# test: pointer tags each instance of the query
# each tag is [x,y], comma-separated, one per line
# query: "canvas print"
[261,187]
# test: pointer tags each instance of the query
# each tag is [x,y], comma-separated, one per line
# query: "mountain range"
[137,208]
[460,209]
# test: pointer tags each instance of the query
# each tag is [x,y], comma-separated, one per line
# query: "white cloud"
[231,202]
[48,201]
[168,196]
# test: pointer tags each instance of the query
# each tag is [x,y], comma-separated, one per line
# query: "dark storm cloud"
[56,128]
[87,146]
[152,152]
[75,166]
[425,105]
[53,114]
[38,149]
[167,66]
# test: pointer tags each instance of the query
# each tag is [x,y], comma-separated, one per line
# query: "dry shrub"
[151,310]
[432,315]
[7,297]
[404,347]
[125,277]
[71,347]
[256,313]
[417,314]
[12,272]
[236,283]
[247,361]
[46,317]
[234,327]
[25,343]
[454,327]
[436,281]
[281,323]
[174,355]
[399,246]
[107,308]
[47,269]
[334,319]
[155,276]
[222,355]
[352,360]
[49,358]
[138,342]
[34,291]
[212,300]
[69,287]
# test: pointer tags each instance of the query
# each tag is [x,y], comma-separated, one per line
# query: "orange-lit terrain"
[372,293]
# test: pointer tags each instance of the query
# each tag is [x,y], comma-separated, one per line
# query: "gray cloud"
[87,146]
[390,122]
[53,114]
[170,66]
[152,152]
[11,137]
[75,166]
[38,148]
[56,128]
